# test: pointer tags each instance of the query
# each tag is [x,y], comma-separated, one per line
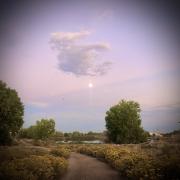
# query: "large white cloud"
[78,58]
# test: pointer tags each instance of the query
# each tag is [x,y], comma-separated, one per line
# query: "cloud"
[69,36]
[77,58]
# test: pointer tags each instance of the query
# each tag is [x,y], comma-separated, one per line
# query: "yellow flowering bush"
[99,152]
[33,168]
[61,152]
[85,149]
[18,152]
[137,162]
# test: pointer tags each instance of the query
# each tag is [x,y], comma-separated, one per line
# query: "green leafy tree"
[11,113]
[32,132]
[44,128]
[123,123]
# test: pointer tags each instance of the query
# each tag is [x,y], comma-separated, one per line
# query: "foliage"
[42,130]
[11,113]
[61,152]
[139,162]
[123,123]
[45,128]
[58,136]
[79,136]
[23,133]
[30,132]
[18,152]
[75,136]
[30,162]
[33,168]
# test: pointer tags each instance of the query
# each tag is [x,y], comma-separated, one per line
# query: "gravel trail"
[82,167]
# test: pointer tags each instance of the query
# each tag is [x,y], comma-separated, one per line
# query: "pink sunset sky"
[52,50]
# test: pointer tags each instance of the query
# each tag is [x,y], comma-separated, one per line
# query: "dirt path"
[83,167]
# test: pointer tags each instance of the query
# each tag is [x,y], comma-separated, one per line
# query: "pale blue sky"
[126,50]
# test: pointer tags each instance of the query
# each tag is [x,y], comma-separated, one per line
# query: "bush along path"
[158,162]
[33,163]
[82,167]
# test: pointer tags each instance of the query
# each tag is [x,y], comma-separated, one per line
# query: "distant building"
[155,136]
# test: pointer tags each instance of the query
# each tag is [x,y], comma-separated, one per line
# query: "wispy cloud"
[78,58]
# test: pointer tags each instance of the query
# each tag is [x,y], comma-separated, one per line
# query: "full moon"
[90,85]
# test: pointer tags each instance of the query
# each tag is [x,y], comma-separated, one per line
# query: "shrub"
[168,166]
[158,162]
[62,152]
[85,149]
[33,168]
[59,165]
[136,166]
[18,152]
[112,154]
[99,152]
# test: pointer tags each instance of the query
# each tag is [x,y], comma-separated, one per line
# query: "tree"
[123,123]
[43,129]
[11,113]
[58,136]
[76,136]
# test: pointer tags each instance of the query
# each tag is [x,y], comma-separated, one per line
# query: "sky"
[73,60]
